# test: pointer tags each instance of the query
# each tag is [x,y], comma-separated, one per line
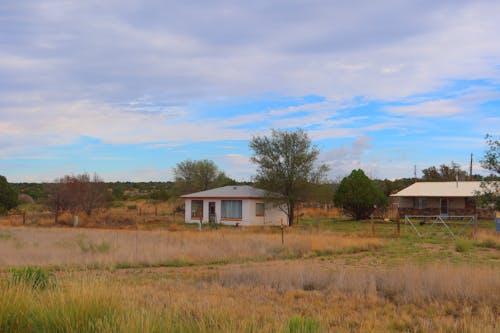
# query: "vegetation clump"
[32,277]
[359,196]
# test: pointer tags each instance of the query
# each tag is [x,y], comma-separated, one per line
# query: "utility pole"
[470,168]
[415,173]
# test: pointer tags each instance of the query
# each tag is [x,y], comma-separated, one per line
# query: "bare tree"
[76,193]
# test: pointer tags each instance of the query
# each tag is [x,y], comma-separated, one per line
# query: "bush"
[463,245]
[8,196]
[358,194]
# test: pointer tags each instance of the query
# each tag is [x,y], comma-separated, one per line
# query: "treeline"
[192,176]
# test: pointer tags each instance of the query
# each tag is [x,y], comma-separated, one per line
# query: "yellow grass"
[409,298]
[60,246]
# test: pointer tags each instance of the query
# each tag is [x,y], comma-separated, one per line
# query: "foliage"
[358,195]
[392,186]
[491,160]
[445,172]
[490,190]
[287,166]
[194,176]
[34,190]
[298,324]
[77,193]
[8,196]
[32,277]
[463,245]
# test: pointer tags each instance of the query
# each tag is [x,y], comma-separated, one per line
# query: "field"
[327,275]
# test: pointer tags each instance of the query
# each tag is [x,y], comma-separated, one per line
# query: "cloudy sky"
[129,88]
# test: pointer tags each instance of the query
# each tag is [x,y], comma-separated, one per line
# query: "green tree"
[444,173]
[490,190]
[194,176]
[287,165]
[357,194]
[8,196]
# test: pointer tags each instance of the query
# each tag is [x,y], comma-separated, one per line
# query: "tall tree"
[287,165]
[444,173]
[357,194]
[194,176]
[490,193]
[8,196]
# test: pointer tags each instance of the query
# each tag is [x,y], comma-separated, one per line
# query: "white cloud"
[438,108]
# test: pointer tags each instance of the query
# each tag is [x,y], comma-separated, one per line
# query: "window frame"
[263,205]
[200,205]
[420,203]
[224,211]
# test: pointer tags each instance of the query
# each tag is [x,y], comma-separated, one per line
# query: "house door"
[444,206]
[212,217]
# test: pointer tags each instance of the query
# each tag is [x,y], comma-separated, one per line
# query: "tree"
[287,166]
[57,196]
[8,196]
[490,190]
[77,193]
[358,195]
[444,173]
[194,176]
[491,160]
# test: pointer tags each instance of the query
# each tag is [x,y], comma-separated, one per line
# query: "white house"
[233,205]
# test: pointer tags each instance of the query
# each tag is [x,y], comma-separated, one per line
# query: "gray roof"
[243,191]
[440,189]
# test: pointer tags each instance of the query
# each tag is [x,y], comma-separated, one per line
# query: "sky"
[130,88]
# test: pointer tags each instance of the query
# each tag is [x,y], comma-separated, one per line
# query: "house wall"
[272,215]
[456,207]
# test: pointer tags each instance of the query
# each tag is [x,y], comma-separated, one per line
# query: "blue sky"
[128,89]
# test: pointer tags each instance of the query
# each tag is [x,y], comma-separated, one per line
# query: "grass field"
[329,275]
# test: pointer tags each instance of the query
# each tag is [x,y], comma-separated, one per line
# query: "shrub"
[490,244]
[462,245]
[358,194]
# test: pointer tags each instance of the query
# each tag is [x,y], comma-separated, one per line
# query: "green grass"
[299,324]
[89,246]
[32,277]
[463,245]
[5,235]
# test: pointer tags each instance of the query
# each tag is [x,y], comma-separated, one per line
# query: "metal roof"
[440,189]
[243,191]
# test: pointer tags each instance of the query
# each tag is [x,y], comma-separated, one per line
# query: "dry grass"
[60,246]
[409,298]
[320,213]
[404,284]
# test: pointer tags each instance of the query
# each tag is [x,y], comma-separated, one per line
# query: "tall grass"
[403,284]
[62,246]
[408,298]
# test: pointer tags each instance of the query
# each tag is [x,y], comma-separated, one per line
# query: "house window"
[231,209]
[196,209]
[259,209]
[420,203]
[470,203]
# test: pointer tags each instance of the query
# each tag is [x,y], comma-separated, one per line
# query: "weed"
[5,235]
[298,324]
[489,243]
[89,246]
[33,277]
[463,245]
